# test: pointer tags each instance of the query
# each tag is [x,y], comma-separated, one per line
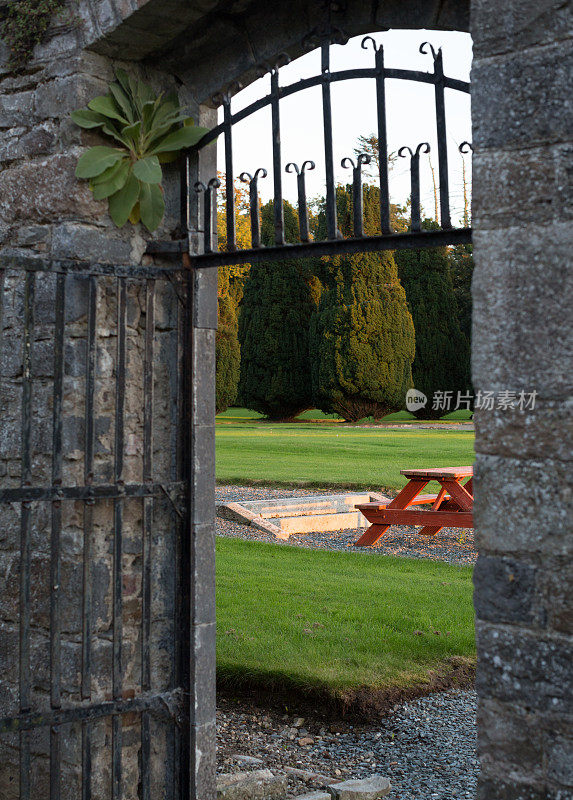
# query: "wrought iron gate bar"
[56,529]
[318,80]
[117,580]
[148,396]
[26,531]
[394,241]
[166,704]
[103,491]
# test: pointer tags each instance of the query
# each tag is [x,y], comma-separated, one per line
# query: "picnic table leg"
[432,530]
[460,500]
[411,490]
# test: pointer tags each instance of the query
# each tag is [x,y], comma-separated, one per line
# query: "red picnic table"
[451,506]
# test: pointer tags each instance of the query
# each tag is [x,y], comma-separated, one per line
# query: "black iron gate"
[94,520]
[203,247]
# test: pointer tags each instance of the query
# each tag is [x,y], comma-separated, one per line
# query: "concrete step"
[322,522]
[306,506]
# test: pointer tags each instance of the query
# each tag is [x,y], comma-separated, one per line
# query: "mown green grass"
[314,415]
[289,617]
[329,455]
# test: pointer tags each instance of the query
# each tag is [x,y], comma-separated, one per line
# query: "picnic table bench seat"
[451,507]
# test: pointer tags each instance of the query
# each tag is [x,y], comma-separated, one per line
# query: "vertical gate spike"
[357,200]
[209,192]
[423,147]
[253,180]
[385,226]
[302,205]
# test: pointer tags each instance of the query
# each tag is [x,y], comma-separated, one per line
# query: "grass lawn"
[313,414]
[315,620]
[329,455]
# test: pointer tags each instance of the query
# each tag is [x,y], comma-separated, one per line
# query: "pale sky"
[409,111]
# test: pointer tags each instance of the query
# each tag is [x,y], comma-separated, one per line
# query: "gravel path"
[427,748]
[453,545]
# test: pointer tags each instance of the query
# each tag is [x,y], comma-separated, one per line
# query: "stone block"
[314,796]
[560,760]
[527,434]
[17,109]
[517,24]
[529,185]
[511,738]
[204,671]
[372,788]
[86,243]
[204,374]
[522,294]
[498,789]
[505,590]
[522,506]
[555,581]
[508,106]
[528,669]
[259,784]
[204,573]
[47,190]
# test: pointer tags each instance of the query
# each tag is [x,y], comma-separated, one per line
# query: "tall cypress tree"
[442,360]
[277,304]
[227,349]
[362,338]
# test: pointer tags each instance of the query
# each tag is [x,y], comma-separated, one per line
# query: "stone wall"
[46,214]
[523,295]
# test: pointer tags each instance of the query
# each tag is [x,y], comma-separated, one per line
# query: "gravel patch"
[426,747]
[452,545]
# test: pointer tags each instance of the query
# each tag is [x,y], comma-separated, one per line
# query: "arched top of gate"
[209,44]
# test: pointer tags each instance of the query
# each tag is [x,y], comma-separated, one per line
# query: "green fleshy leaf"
[123,80]
[183,137]
[122,202]
[122,100]
[105,105]
[88,119]
[132,132]
[152,205]
[97,159]
[115,134]
[112,180]
[148,170]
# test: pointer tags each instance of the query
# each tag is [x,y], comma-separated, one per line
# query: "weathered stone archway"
[522,137]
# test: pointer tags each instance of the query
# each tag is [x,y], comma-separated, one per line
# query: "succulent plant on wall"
[151,130]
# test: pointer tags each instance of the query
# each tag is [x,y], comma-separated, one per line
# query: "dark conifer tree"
[277,304]
[442,360]
[362,338]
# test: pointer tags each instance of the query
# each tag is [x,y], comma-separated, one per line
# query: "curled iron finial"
[199,186]
[466,147]
[348,163]
[424,52]
[366,40]
[292,167]
[423,147]
[214,183]
[246,177]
